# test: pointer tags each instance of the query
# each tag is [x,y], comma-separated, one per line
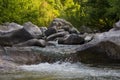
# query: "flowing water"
[63,71]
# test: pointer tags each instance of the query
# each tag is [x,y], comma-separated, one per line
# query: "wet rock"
[56,35]
[34,55]
[22,55]
[33,30]
[104,48]
[50,31]
[72,39]
[32,42]
[13,33]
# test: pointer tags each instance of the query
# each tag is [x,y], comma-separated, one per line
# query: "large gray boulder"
[7,27]
[85,29]
[33,29]
[71,39]
[21,55]
[13,33]
[104,48]
[34,54]
[116,26]
[59,23]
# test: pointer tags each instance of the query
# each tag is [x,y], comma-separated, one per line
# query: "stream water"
[63,71]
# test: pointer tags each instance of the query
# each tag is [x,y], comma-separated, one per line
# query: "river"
[63,71]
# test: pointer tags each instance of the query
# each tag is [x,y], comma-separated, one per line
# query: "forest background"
[95,14]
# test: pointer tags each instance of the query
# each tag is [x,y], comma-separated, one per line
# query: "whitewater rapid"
[67,69]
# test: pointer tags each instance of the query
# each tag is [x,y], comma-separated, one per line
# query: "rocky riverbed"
[61,41]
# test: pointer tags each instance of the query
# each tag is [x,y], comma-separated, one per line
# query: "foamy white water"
[67,69]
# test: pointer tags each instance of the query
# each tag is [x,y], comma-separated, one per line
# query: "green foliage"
[101,14]
[40,12]
[70,12]
[15,11]
[96,14]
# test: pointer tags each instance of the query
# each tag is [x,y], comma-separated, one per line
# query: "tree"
[70,12]
[96,14]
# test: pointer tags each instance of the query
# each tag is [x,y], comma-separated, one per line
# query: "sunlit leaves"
[40,12]
[98,14]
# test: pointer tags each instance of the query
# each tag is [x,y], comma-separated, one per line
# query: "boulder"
[52,43]
[7,27]
[61,30]
[35,54]
[63,24]
[50,31]
[32,42]
[43,29]
[21,55]
[104,48]
[33,29]
[6,66]
[72,39]
[60,23]
[116,26]
[13,33]
[56,35]
[85,29]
